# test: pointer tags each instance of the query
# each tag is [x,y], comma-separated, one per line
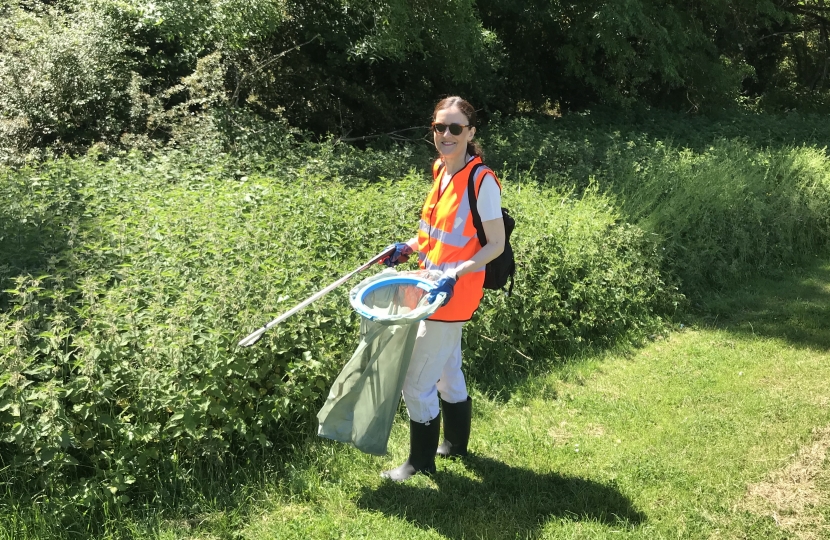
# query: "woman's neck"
[453,165]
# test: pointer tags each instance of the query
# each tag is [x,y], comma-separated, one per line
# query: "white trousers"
[435,367]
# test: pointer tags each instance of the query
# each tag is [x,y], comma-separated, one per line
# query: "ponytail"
[474,149]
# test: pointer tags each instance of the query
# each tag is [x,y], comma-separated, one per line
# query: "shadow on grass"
[501,502]
[795,308]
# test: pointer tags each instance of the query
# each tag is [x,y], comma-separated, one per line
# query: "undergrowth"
[136,277]
[728,198]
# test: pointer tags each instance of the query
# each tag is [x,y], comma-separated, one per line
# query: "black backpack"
[502,267]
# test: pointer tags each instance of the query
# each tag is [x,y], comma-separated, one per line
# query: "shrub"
[64,80]
[118,339]
[584,279]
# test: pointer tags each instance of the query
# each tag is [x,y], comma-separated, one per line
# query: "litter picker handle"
[254,336]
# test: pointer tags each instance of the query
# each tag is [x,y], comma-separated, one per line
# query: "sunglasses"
[455,129]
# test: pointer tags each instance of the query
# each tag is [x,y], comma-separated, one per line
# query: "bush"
[118,337]
[64,80]
[584,280]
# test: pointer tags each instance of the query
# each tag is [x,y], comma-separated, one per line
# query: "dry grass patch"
[560,434]
[792,496]
[595,430]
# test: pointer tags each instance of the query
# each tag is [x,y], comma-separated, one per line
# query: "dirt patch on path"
[794,496]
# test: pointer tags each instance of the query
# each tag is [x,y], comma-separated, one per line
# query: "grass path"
[698,435]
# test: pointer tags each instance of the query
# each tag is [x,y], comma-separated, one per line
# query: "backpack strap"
[482,238]
[471,195]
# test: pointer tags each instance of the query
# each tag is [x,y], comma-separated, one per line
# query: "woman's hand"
[445,284]
[399,256]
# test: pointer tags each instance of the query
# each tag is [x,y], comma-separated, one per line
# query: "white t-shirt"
[489,197]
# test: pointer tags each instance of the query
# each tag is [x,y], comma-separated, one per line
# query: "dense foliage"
[79,71]
[128,283]
[728,198]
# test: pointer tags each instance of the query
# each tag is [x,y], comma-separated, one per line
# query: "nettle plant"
[122,313]
[584,279]
[119,347]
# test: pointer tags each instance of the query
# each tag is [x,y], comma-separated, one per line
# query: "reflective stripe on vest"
[447,238]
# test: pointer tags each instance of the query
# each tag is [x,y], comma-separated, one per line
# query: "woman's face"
[447,144]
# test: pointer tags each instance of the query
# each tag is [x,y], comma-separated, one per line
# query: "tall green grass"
[734,198]
[729,212]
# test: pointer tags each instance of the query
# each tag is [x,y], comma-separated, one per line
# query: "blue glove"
[445,284]
[400,255]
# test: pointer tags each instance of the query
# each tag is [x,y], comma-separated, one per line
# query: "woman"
[447,241]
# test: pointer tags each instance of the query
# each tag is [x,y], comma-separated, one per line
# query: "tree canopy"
[74,72]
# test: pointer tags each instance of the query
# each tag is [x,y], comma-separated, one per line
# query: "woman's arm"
[489,207]
[494,232]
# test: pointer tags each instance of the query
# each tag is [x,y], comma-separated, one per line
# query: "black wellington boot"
[423,439]
[457,419]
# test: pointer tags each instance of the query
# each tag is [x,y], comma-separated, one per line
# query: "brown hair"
[473,148]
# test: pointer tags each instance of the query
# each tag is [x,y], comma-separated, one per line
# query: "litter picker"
[254,336]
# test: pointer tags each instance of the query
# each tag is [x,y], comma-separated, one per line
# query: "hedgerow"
[585,279]
[128,283]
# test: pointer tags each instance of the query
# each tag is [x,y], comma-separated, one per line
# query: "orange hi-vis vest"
[447,238]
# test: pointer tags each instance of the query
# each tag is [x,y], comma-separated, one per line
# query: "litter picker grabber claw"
[254,336]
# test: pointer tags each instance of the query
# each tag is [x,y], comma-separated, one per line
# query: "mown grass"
[663,441]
